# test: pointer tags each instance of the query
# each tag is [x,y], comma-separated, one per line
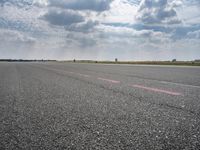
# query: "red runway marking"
[157,90]
[108,80]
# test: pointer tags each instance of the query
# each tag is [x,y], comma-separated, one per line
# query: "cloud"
[193,2]
[194,34]
[131,35]
[40,3]
[62,17]
[80,40]
[17,25]
[15,37]
[18,3]
[94,5]
[2,1]
[189,12]
[126,29]
[157,12]
[72,15]
[22,3]
[84,27]
[86,42]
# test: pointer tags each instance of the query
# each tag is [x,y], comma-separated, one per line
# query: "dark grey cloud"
[62,17]
[157,12]
[2,2]
[72,15]
[94,5]
[71,20]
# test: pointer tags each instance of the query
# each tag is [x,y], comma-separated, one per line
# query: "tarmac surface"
[94,106]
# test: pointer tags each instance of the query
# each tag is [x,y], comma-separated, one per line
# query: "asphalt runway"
[94,106]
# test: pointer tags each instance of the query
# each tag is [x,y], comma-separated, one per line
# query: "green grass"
[183,63]
[180,63]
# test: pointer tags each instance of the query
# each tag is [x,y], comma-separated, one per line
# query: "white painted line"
[109,80]
[157,90]
[84,75]
[180,84]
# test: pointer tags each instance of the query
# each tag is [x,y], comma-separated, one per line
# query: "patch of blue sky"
[134,2]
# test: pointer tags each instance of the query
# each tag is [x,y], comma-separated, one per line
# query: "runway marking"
[80,74]
[109,80]
[84,75]
[157,90]
[180,84]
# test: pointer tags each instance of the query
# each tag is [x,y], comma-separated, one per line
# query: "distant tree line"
[25,60]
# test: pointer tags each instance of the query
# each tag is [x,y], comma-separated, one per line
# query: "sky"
[100,29]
